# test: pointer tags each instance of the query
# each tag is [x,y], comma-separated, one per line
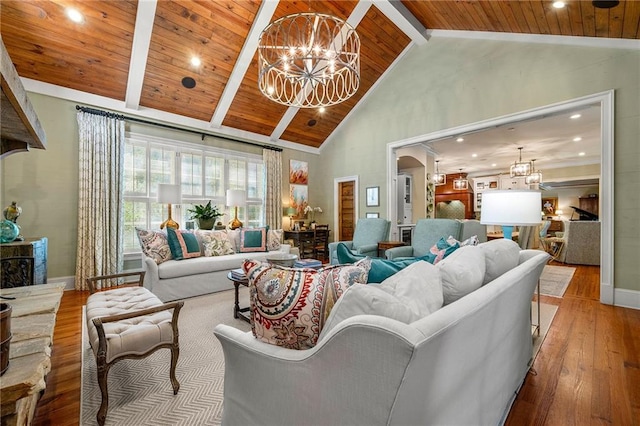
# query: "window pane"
[158,214]
[237,174]
[135,214]
[135,169]
[255,180]
[214,177]
[255,214]
[191,175]
[162,165]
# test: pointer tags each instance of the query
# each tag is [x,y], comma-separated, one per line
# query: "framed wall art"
[373,196]
[299,198]
[372,215]
[298,172]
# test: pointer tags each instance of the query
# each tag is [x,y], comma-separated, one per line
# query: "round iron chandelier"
[309,60]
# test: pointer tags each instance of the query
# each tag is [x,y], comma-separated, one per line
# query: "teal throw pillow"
[183,244]
[253,239]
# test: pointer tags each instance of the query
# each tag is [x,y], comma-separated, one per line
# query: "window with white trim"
[204,172]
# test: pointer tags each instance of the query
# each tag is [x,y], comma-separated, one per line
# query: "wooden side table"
[238,312]
[385,245]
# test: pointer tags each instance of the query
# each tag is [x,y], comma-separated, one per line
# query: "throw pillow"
[253,240]
[215,243]
[183,244]
[462,273]
[471,241]
[289,307]
[154,244]
[501,256]
[274,239]
[234,237]
[367,300]
[418,286]
[443,248]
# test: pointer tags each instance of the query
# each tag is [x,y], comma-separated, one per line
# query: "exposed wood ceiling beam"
[400,15]
[145,16]
[265,13]
[354,19]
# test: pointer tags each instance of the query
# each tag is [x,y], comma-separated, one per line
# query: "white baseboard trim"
[70,282]
[626,298]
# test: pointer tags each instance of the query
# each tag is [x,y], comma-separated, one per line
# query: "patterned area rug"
[140,392]
[555,280]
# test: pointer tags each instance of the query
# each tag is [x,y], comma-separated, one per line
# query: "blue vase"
[9,231]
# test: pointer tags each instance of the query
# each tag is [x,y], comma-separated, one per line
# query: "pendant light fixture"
[460,183]
[535,176]
[309,60]
[520,168]
[439,178]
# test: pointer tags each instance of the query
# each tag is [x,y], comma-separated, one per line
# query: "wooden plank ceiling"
[95,56]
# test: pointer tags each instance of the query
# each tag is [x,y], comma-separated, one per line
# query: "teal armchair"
[367,235]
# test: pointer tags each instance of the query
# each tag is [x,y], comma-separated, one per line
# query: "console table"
[33,318]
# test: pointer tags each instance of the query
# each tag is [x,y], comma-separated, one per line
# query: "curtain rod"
[168,126]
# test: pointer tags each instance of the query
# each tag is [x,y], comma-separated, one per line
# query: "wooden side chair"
[321,243]
[128,321]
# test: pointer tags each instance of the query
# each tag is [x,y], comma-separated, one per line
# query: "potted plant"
[206,215]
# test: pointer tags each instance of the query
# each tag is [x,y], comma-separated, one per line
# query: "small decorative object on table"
[307,263]
[282,259]
[9,231]
[206,215]
[312,211]
[12,213]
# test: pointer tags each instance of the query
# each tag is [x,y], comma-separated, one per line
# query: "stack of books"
[238,274]
[307,263]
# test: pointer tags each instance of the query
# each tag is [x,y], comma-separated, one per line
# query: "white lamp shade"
[169,194]
[511,208]
[236,197]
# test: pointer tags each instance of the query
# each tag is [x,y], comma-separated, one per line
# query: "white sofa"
[179,279]
[462,364]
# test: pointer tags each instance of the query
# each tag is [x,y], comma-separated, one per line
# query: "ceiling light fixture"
[577,139]
[439,178]
[520,168]
[309,60]
[559,4]
[575,116]
[535,177]
[460,140]
[195,61]
[74,15]
[460,183]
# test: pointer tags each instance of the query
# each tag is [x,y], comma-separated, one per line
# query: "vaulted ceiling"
[131,56]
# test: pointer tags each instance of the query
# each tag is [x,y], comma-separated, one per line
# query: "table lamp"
[291,212]
[510,208]
[235,198]
[169,194]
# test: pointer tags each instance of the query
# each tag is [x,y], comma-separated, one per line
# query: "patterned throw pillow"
[274,239]
[253,240]
[471,241]
[154,244]
[183,244]
[443,248]
[290,306]
[215,243]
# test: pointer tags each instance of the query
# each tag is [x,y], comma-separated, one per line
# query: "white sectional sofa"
[462,364]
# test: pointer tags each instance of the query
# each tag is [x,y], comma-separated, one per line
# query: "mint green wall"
[452,82]
[45,182]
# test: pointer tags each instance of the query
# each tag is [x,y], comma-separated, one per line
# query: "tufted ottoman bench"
[129,322]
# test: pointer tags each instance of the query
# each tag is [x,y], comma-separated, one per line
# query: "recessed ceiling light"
[582,154]
[322,109]
[460,140]
[474,155]
[195,61]
[574,116]
[559,4]
[577,139]
[74,15]
[493,165]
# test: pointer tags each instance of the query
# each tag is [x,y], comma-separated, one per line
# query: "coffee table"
[238,312]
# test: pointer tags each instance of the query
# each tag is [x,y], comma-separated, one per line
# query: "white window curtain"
[273,197]
[100,196]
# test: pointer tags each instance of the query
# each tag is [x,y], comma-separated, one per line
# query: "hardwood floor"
[587,371]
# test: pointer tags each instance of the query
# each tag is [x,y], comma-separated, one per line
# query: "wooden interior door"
[346,211]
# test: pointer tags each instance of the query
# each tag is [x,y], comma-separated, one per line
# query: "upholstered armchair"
[426,233]
[582,243]
[367,235]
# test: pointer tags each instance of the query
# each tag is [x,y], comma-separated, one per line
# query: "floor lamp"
[511,208]
[169,194]
[236,198]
